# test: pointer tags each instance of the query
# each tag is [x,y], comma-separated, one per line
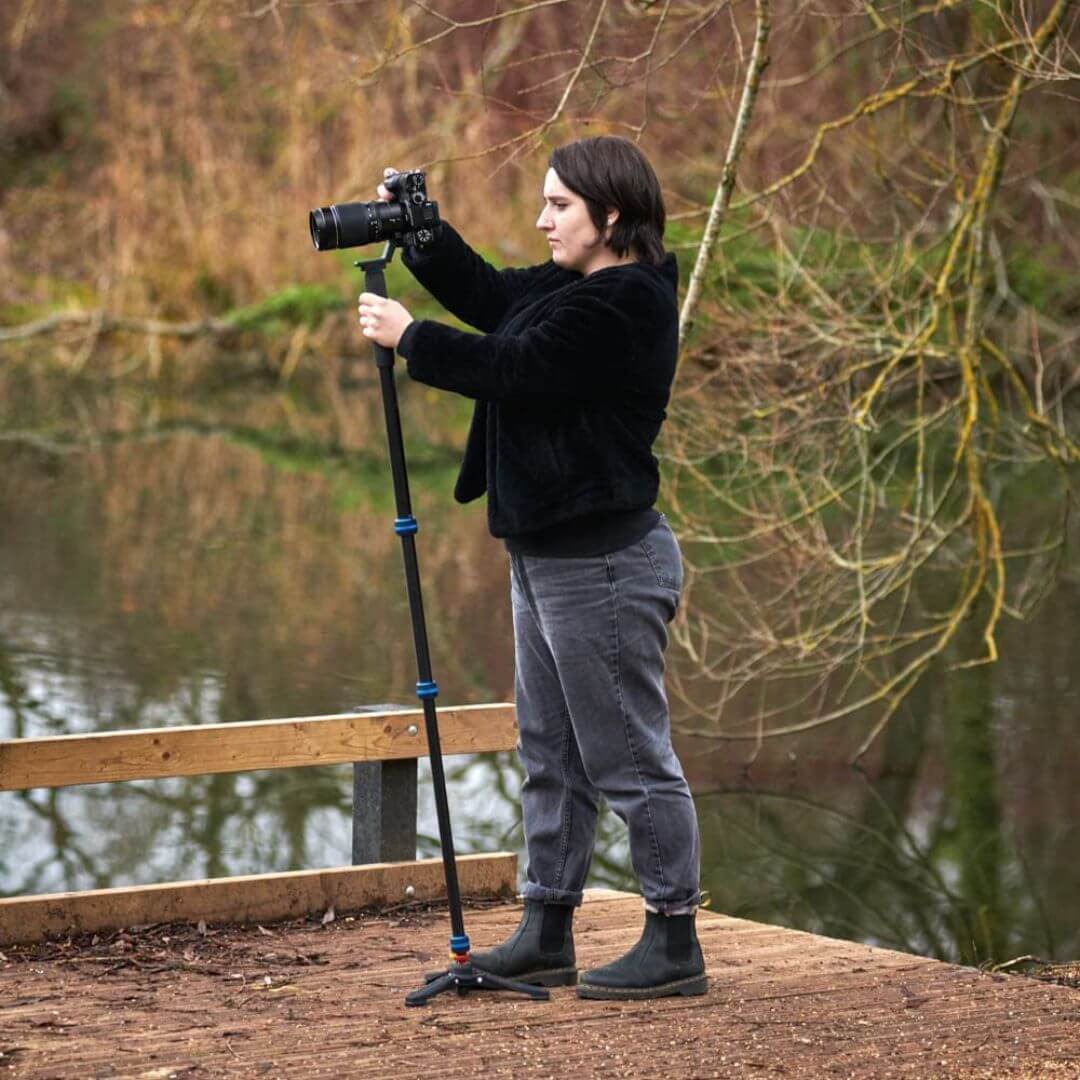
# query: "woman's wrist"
[407,336]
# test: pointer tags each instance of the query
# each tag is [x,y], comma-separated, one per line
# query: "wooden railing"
[382,744]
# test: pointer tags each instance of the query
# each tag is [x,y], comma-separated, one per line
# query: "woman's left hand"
[382,320]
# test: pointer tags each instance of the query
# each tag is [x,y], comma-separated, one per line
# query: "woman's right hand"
[386,196]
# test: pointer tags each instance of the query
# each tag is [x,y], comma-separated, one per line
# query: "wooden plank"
[256,898]
[104,757]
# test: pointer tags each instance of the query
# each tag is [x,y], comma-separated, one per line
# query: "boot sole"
[691,987]
[553,977]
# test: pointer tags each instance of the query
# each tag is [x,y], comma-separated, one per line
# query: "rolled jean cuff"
[674,907]
[532,891]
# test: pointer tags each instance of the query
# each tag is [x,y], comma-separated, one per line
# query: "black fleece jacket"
[571,376]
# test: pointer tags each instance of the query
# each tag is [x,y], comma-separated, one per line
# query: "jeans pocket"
[662,550]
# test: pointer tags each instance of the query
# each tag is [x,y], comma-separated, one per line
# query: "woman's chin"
[561,259]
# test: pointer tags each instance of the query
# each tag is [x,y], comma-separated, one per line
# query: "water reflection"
[957,840]
[203,577]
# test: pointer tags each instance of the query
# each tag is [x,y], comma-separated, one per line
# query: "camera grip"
[375,282]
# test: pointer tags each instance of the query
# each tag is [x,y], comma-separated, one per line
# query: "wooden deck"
[305,999]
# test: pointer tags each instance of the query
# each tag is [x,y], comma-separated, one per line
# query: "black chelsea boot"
[539,951]
[666,961]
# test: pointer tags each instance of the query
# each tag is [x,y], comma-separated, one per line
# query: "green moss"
[750,272]
[294,305]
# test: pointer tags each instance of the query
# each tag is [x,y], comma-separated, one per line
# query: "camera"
[411,218]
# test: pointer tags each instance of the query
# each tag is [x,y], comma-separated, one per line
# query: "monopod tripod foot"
[464,978]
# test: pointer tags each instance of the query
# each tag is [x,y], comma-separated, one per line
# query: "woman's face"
[575,242]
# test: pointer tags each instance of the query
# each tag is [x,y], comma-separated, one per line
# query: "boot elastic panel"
[554,927]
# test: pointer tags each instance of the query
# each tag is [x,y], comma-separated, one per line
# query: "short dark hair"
[611,173]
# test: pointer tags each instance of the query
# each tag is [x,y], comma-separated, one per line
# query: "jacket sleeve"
[585,348]
[464,283]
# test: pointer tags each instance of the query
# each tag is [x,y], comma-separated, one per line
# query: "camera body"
[422,215]
[411,218]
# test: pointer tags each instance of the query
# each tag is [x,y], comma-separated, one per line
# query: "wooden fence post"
[384,806]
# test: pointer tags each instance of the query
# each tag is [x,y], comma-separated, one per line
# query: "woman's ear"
[612,217]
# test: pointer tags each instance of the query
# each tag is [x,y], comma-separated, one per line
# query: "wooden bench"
[381,742]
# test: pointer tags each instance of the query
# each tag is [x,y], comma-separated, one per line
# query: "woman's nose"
[542,221]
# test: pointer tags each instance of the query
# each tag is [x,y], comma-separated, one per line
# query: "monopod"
[460,975]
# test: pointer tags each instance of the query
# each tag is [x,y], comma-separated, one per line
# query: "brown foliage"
[889,316]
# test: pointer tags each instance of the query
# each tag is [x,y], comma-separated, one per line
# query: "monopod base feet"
[552,977]
[465,978]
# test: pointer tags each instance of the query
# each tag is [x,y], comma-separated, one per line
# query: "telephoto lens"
[346,225]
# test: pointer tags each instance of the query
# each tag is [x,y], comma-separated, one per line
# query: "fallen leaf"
[329,916]
[202,927]
[263,930]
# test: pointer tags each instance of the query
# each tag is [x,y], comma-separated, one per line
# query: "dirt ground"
[325,998]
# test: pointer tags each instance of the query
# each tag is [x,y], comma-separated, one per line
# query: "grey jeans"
[589,641]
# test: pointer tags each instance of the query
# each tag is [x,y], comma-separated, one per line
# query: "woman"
[571,375]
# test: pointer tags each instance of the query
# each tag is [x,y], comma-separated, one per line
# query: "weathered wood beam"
[258,898]
[104,757]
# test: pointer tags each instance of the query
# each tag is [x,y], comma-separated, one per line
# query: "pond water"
[161,564]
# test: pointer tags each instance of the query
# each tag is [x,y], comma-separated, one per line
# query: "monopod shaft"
[405,525]
[461,976]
